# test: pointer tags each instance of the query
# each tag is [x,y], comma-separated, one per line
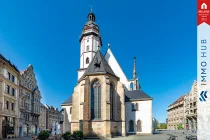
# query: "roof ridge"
[98,65]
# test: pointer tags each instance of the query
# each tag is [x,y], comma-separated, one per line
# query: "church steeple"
[135,79]
[90,43]
[91,16]
[134,68]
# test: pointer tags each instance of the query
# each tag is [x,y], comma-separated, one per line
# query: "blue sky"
[161,34]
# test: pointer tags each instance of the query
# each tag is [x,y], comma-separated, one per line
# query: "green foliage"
[66,135]
[43,135]
[162,126]
[179,126]
[77,134]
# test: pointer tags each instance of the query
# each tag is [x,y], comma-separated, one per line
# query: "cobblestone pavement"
[157,136]
[22,138]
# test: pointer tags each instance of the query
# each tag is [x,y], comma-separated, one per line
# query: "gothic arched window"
[131,86]
[112,102]
[131,126]
[87,60]
[132,107]
[96,100]
[137,107]
[138,126]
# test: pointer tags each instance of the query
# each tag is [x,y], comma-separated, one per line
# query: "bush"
[77,134]
[43,135]
[179,126]
[66,135]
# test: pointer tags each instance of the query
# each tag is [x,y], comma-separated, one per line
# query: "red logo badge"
[203,11]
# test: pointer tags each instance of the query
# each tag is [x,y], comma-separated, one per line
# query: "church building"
[105,102]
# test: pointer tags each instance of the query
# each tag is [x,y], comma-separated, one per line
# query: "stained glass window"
[95,100]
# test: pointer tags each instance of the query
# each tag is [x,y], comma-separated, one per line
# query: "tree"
[179,126]
[163,126]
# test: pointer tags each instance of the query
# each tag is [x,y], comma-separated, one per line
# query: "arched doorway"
[33,128]
[131,126]
[138,126]
[25,130]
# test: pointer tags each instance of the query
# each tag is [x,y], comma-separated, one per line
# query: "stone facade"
[52,115]
[43,118]
[176,114]
[81,108]
[9,93]
[191,108]
[29,103]
[188,104]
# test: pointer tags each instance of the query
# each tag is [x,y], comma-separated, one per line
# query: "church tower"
[90,42]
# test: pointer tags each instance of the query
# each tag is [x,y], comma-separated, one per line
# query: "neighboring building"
[60,119]
[188,104]
[9,93]
[105,102]
[155,124]
[176,114]
[43,118]
[191,108]
[29,103]
[52,115]
[67,107]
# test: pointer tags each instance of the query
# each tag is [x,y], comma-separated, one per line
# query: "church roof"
[68,101]
[99,65]
[135,95]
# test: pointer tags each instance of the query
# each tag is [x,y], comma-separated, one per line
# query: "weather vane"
[91,8]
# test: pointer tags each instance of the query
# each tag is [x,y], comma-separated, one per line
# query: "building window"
[138,126]
[137,107]
[13,92]
[131,126]
[8,75]
[13,78]
[8,89]
[88,40]
[12,106]
[111,102]
[131,86]
[7,104]
[87,48]
[132,107]
[87,60]
[96,100]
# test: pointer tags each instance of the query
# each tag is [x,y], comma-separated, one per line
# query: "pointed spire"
[91,8]
[108,45]
[134,69]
